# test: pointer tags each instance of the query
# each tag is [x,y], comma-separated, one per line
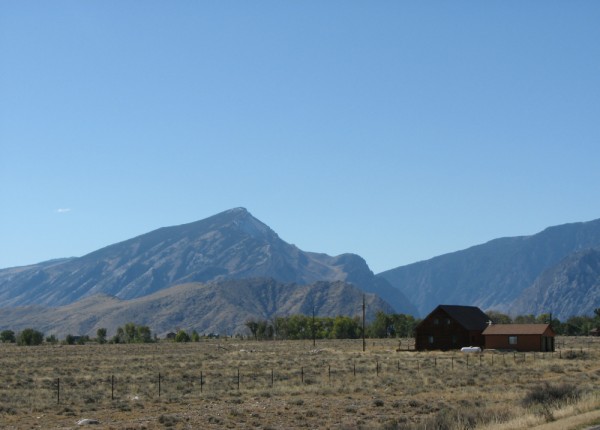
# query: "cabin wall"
[440,332]
[524,342]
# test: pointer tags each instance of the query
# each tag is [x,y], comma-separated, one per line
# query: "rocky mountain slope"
[571,287]
[219,307]
[229,245]
[494,275]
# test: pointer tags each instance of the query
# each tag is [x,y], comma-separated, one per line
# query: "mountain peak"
[237,211]
[241,220]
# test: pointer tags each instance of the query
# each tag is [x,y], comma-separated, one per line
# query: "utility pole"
[363,321]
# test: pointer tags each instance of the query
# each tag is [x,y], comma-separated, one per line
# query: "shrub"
[101,336]
[7,336]
[182,336]
[30,336]
[551,394]
[169,420]
[132,333]
[572,355]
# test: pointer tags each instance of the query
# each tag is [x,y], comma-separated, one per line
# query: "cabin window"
[448,321]
[430,339]
[512,340]
[453,339]
[436,321]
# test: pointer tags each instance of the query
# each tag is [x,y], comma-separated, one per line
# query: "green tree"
[132,333]
[391,325]
[324,327]
[70,339]
[346,328]
[578,326]
[280,327]
[30,336]
[51,339]
[524,319]
[403,325]
[195,336]
[499,317]
[382,326]
[101,336]
[143,334]
[7,336]
[299,327]
[182,336]
[596,320]
[119,337]
[253,327]
[261,329]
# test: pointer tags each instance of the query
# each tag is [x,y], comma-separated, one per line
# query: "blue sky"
[395,130]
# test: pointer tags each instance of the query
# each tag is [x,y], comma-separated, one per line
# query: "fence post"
[355,368]
[201,381]
[302,374]
[480,359]
[377,366]
[58,391]
[238,379]
[435,361]
[467,361]
[158,384]
[112,387]
[398,366]
[329,370]
[272,378]
[452,362]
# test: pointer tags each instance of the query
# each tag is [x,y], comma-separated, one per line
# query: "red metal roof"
[516,329]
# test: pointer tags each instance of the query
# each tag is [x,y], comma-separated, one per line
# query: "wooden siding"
[439,331]
[520,339]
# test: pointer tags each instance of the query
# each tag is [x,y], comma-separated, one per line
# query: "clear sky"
[397,130]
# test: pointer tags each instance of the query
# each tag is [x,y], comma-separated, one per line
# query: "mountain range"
[232,245]
[506,274]
[214,274]
[214,307]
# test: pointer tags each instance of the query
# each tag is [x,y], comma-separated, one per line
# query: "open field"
[292,384]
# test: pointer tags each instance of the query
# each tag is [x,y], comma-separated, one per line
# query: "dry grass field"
[293,384]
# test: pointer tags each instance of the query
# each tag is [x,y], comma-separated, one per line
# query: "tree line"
[341,327]
[129,333]
[299,326]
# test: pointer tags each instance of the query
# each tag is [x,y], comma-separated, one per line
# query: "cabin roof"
[516,329]
[469,317]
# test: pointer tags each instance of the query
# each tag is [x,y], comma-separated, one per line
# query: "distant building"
[451,327]
[170,336]
[520,337]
